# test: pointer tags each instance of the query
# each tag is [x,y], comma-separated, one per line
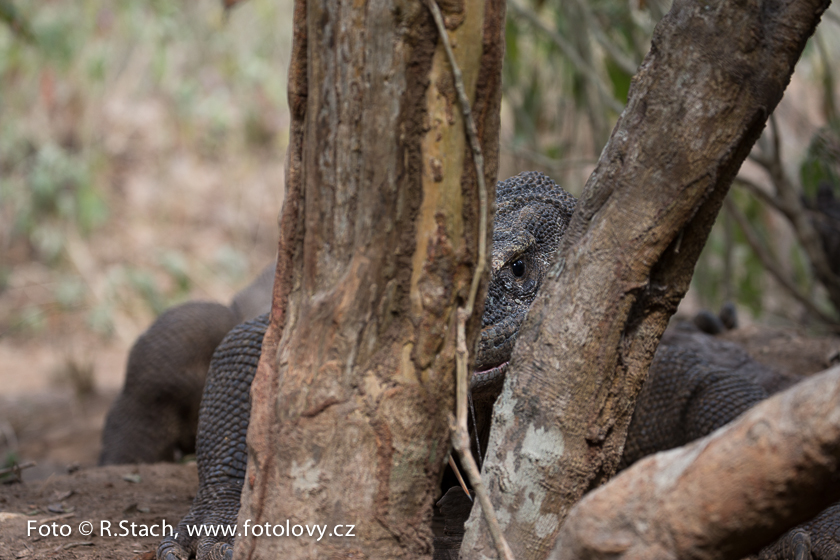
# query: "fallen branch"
[724,496]
[17,468]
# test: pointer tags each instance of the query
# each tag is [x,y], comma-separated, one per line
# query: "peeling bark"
[355,385]
[723,496]
[700,100]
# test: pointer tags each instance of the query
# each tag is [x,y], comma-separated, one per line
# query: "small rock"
[59,508]
[134,508]
[130,508]
[59,496]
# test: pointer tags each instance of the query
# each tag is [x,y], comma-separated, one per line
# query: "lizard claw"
[204,548]
[800,542]
[818,539]
[169,549]
[212,550]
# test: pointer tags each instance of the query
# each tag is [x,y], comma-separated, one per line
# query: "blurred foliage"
[567,73]
[10,460]
[728,270]
[221,80]
[821,163]
[558,102]
[561,60]
[51,189]
[12,18]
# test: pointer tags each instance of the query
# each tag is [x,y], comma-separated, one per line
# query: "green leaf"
[620,80]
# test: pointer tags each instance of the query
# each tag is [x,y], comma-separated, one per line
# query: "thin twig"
[777,147]
[460,437]
[75,544]
[16,469]
[770,263]
[828,79]
[622,60]
[558,165]
[571,53]
[460,478]
[57,517]
[461,442]
[761,194]
[728,243]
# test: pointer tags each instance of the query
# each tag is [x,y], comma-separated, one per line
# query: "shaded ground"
[146,495]
[54,429]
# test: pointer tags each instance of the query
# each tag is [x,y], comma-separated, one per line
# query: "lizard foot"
[818,539]
[207,549]
[208,530]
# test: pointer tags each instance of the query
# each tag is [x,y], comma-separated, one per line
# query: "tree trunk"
[378,245]
[701,98]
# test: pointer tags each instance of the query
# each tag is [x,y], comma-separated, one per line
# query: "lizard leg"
[209,529]
[817,539]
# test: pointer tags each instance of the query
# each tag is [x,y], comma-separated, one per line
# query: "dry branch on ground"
[723,496]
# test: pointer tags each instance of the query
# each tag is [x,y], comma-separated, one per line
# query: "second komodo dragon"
[155,416]
[686,395]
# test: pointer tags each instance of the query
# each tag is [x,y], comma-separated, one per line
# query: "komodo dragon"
[686,395]
[155,416]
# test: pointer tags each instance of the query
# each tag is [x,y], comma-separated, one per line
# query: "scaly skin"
[155,417]
[156,414]
[687,395]
[222,455]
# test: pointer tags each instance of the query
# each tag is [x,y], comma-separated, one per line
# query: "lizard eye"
[518,268]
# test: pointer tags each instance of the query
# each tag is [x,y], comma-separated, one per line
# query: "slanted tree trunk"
[698,103]
[377,248]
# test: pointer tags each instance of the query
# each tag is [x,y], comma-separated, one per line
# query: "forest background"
[141,165]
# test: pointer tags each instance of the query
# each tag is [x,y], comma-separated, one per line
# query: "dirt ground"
[145,495]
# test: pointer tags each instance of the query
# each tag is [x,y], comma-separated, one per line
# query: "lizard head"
[532,213]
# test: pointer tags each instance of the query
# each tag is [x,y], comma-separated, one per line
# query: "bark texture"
[715,71]
[723,496]
[378,244]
